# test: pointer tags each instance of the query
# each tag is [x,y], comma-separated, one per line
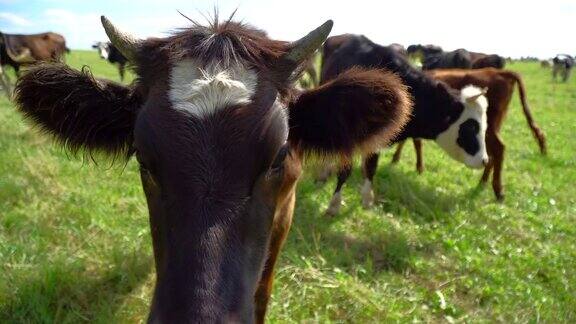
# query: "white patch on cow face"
[475,106]
[202,90]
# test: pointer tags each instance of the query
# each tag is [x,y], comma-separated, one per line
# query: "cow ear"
[83,113]
[358,110]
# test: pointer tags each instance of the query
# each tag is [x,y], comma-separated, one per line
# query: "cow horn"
[302,48]
[124,42]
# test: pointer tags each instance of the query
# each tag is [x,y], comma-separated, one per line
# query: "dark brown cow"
[332,44]
[419,52]
[459,58]
[220,136]
[16,50]
[500,84]
[481,60]
[432,57]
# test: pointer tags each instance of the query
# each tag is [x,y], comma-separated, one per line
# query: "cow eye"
[277,165]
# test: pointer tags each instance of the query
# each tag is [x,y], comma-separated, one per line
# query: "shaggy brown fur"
[99,115]
[374,103]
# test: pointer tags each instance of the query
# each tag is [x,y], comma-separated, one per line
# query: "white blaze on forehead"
[475,105]
[202,90]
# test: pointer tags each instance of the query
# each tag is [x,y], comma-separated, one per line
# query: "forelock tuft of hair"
[85,114]
[227,42]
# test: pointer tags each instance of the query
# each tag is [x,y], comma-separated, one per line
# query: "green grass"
[75,243]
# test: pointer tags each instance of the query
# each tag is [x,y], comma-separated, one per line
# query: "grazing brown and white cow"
[220,138]
[500,85]
[17,50]
[456,120]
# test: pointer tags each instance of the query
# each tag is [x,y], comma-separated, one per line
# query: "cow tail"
[536,131]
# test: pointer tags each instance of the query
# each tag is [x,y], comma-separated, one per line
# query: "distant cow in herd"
[562,65]
[419,51]
[500,85]
[110,53]
[433,57]
[456,120]
[481,60]
[220,135]
[17,50]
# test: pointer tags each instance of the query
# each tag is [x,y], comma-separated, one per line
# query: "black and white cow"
[455,120]
[109,52]
[563,64]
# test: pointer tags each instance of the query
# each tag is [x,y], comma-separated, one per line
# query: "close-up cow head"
[219,135]
[464,139]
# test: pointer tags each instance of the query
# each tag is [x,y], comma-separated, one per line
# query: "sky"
[506,27]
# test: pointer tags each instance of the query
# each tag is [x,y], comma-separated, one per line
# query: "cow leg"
[398,152]
[490,147]
[498,162]
[280,230]
[121,69]
[487,170]
[369,166]
[336,201]
[419,158]
[495,148]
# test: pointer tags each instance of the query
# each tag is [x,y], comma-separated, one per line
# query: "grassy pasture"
[75,243]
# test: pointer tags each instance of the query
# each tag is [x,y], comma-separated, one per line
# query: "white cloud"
[15,19]
[80,29]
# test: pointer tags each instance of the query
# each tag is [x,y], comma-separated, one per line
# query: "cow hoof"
[367,194]
[500,197]
[335,205]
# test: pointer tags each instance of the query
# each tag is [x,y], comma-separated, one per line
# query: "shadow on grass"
[376,249]
[399,193]
[313,237]
[387,252]
[68,292]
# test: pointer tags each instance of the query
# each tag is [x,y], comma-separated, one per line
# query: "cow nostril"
[484,162]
